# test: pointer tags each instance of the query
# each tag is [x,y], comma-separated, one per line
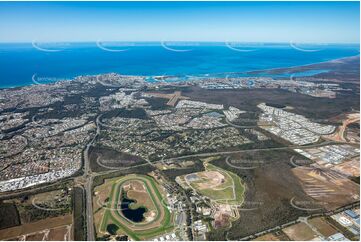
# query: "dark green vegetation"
[17,208]
[9,215]
[29,213]
[143,170]
[126,113]
[111,158]
[248,99]
[269,188]
[112,229]
[156,103]
[247,119]
[75,104]
[355,179]
[275,105]
[171,174]
[79,214]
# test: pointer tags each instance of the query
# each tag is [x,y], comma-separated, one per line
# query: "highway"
[88,175]
[248,150]
[88,185]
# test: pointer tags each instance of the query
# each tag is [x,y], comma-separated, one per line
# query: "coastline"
[277,70]
[333,61]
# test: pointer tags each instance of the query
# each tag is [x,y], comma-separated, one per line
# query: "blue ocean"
[55,61]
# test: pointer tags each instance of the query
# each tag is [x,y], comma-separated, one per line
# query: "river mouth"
[135,215]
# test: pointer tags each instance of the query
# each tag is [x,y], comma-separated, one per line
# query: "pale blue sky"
[320,22]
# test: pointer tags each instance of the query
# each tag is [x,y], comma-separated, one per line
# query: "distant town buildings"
[292,127]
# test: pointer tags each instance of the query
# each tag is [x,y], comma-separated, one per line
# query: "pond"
[135,215]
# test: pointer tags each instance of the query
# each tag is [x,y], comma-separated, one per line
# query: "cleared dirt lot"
[267,237]
[300,232]
[327,186]
[31,228]
[340,134]
[322,226]
[349,168]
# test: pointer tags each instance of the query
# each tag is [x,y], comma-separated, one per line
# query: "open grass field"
[300,232]
[146,193]
[219,185]
[322,226]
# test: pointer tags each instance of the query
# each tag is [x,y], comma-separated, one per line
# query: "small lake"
[135,215]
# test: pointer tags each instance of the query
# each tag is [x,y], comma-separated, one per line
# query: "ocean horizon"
[55,61]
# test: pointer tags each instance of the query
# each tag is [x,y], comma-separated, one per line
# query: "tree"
[112,229]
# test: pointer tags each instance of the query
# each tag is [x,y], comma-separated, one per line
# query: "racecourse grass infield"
[146,194]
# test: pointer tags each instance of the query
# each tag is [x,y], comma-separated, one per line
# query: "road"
[298,220]
[88,175]
[88,185]
[248,150]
